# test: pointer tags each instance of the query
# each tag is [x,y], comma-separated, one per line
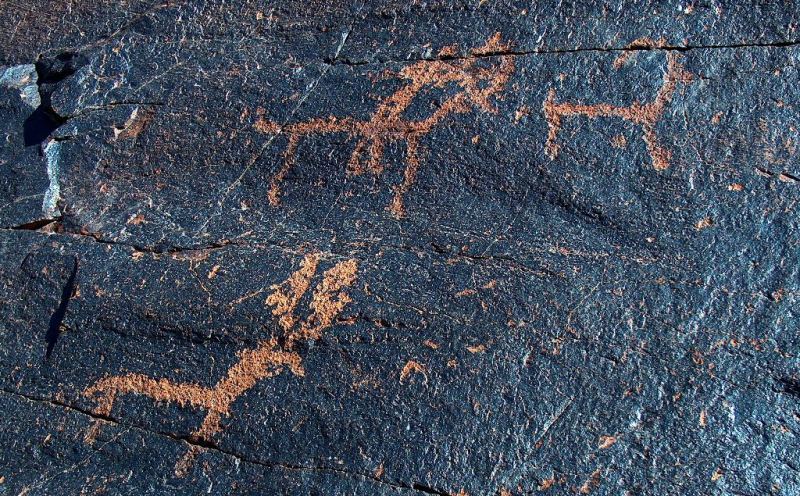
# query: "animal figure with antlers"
[477,86]
[268,359]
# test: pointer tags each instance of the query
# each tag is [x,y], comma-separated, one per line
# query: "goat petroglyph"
[645,115]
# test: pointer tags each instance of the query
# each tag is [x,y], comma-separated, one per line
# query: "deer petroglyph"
[268,359]
[477,85]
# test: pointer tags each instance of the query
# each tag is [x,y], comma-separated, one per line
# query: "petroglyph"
[268,359]
[136,123]
[645,115]
[477,86]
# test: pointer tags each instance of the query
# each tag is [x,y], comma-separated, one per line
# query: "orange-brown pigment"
[645,115]
[268,359]
[477,86]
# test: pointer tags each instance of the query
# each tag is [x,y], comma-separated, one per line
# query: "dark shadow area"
[44,120]
[790,386]
[34,225]
[38,126]
[54,327]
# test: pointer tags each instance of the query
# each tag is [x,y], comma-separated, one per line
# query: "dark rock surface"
[398,247]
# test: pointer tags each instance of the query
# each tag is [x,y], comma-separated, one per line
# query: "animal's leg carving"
[409,177]
[288,162]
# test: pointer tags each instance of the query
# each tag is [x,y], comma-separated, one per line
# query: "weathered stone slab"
[382,248]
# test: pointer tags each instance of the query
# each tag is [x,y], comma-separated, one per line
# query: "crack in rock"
[213,447]
[57,319]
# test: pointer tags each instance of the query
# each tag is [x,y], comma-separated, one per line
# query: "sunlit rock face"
[454,248]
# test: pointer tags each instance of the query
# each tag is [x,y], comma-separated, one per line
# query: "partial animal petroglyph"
[645,115]
[477,85]
[268,359]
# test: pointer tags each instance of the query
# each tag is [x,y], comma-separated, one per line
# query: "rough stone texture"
[392,247]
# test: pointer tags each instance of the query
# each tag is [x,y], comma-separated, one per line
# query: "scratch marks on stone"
[309,90]
[634,47]
[413,367]
[125,428]
[554,419]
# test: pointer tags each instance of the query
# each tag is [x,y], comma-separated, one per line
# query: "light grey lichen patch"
[22,78]
[52,151]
